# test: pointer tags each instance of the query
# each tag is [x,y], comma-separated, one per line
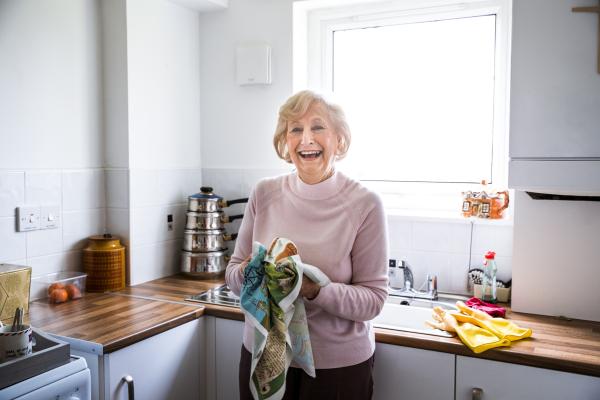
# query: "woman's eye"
[296,130]
[318,128]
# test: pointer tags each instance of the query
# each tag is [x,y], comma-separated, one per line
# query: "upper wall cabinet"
[203,5]
[555,98]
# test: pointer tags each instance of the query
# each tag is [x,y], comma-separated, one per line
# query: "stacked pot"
[205,239]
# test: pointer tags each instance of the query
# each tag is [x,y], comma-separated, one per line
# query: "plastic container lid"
[490,255]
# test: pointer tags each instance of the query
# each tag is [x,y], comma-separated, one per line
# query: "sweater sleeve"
[363,298]
[234,277]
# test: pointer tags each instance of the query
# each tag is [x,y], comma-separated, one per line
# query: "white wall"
[163,76]
[238,121]
[50,85]
[163,62]
[100,110]
[51,143]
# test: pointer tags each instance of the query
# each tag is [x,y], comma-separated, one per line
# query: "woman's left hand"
[309,289]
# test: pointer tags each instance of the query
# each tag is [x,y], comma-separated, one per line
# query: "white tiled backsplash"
[132,204]
[81,196]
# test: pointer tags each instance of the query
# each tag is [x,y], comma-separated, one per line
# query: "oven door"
[69,381]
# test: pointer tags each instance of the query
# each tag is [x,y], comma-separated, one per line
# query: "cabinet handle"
[477,394]
[129,380]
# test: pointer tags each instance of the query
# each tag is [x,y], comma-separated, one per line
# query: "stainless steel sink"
[404,314]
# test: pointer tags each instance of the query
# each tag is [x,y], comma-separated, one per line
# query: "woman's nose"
[307,136]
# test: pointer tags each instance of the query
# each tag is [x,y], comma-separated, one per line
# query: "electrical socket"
[28,218]
[170,222]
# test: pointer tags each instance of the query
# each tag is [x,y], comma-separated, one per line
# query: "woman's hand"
[309,289]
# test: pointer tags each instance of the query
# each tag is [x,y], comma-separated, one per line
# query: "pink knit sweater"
[340,227]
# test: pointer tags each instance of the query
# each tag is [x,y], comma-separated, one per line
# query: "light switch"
[28,218]
[50,217]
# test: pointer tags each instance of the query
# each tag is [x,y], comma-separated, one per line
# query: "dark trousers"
[347,383]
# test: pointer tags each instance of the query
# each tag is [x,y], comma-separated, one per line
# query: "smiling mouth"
[310,155]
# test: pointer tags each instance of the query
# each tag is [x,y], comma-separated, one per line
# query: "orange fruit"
[57,285]
[59,295]
[73,291]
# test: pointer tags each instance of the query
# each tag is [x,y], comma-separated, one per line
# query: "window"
[423,85]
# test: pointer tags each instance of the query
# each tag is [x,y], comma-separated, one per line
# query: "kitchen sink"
[405,314]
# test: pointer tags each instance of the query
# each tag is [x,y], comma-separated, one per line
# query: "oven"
[68,381]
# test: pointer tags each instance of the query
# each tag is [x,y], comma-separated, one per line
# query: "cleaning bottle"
[489,278]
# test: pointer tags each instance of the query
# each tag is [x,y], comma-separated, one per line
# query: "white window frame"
[316,20]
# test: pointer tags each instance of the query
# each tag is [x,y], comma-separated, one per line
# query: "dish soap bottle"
[489,278]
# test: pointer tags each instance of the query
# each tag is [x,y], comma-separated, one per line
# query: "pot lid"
[206,192]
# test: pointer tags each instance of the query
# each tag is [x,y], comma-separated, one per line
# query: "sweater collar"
[319,191]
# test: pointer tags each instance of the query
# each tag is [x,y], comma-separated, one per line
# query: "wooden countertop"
[110,320]
[563,345]
[116,320]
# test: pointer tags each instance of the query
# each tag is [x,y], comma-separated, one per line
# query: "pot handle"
[233,236]
[227,203]
[229,218]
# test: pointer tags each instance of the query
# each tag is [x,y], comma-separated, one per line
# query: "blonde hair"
[295,107]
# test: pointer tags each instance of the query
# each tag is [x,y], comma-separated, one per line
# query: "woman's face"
[312,143]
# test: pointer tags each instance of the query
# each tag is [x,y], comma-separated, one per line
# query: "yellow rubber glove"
[500,327]
[473,336]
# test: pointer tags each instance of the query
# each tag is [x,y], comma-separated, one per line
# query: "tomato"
[59,295]
[57,285]
[73,291]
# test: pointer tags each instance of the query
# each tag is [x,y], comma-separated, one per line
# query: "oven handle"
[129,380]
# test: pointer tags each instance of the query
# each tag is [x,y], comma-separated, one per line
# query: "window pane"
[419,99]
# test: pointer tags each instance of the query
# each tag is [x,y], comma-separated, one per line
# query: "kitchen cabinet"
[164,366]
[223,348]
[503,381]
[408,373]
[555,97]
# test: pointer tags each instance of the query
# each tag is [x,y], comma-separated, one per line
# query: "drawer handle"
[129,380]
[477,394]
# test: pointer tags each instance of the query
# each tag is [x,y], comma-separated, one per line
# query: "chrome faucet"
[407,289]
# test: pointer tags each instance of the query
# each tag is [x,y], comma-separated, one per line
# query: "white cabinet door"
[407,373]
[555,90]
[503,381]
[165,366]
[555,98]
[228,345]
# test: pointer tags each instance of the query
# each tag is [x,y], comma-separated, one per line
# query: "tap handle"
[431,283]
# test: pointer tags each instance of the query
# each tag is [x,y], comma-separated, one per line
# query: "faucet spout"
[408,289]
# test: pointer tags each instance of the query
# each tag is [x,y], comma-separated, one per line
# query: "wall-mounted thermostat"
[253,64]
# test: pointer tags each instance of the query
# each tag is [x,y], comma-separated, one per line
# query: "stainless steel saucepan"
[204,265]
[207,201]
[209,220]
[204,241]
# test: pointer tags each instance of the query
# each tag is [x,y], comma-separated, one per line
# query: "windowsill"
[443,216]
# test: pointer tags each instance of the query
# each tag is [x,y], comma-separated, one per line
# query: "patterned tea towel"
[269,299]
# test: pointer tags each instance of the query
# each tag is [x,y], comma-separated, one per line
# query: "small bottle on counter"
[488,291]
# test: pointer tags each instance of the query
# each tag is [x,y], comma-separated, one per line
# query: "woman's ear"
[340,144]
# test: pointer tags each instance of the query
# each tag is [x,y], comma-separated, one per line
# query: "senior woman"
[337,225]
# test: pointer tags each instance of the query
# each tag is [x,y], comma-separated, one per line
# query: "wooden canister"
[104,264]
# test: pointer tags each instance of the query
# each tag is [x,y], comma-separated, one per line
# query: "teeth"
[309,153]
